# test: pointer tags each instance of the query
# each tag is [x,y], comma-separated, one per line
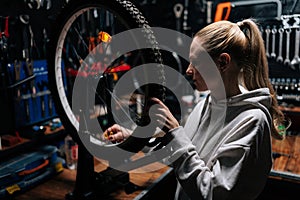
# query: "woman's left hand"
[164,115]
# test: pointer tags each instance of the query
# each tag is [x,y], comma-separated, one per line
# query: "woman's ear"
[223,61]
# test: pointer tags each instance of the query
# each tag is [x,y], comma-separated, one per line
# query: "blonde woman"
[232,159]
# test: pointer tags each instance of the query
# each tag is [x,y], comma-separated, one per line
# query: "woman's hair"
[244,43]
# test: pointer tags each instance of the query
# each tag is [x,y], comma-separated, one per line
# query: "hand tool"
[25,99]
[287,83]
[261,30]
[25,54]
[42,97]
[226,6]
[185,26]
[290,21]
[29,66]
[296,59]
[48,4]
[178,8]
[208,12]
[274,31]
[34,51]
[287,56]
[6,32]
[4,37]
[33,4]
[50,105]
[268,31]
[221,7]
[17,67]
[45,41]
[292,84]
[25,37]
[279,57]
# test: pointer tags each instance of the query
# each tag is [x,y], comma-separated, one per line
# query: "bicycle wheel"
[82,35]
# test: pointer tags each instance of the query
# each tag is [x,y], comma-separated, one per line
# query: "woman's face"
[197,78]
[196,60]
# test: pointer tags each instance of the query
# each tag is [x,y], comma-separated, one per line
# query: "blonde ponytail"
[256,72]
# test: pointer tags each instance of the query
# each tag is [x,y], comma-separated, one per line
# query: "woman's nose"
[189,70]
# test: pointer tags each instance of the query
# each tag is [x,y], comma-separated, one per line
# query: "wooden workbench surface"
[287,162]
[63,183]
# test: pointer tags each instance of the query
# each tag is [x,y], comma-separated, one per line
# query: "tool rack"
[26,103]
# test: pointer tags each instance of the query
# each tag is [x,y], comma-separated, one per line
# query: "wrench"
[185,26]
[287,56]
[274,31]
[296,59]
[209,5]
[268,31]
[17,66]
[178,8]
[279,57]
[261,30]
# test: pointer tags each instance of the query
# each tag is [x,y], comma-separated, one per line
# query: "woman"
[232,159]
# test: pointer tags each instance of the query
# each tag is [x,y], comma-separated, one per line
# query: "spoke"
[117,100]
[81,39]
[109,109]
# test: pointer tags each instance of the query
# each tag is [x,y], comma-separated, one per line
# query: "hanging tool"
[48,4]
[33,49]
[6,31]
[45,41]
[296,59]
[261,30]
[287,56]
[25,54]
[42,96]
[17,67]
[185,26]
[274,31]
[25,37]
[28,36]
[50,106]
[33,4]
[29,66]
[209,11]
[4,37]
[223,9]
[178,8]
[268,31]
[279,57]
[290,21]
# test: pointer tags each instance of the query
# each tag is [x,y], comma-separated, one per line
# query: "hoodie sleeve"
[240,165]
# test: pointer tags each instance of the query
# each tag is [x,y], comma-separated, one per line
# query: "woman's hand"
[116,133]
[164,116]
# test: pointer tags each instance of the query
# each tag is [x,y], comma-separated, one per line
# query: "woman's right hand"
[116,133]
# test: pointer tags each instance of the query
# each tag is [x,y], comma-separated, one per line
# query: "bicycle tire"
[129,16]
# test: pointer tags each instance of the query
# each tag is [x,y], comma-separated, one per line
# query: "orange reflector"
[223,11]
[120,68]
[104,37]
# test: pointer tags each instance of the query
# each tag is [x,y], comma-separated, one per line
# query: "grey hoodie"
[224,149]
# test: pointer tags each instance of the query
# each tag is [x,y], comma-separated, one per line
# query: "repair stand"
[92,185]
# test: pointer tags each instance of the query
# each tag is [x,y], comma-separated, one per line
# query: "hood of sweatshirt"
[259,98]
[212,120]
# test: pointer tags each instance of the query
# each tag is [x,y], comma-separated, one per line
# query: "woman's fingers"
[164,116]
[113,136]
[116,133]
[117,137]
[156,100]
